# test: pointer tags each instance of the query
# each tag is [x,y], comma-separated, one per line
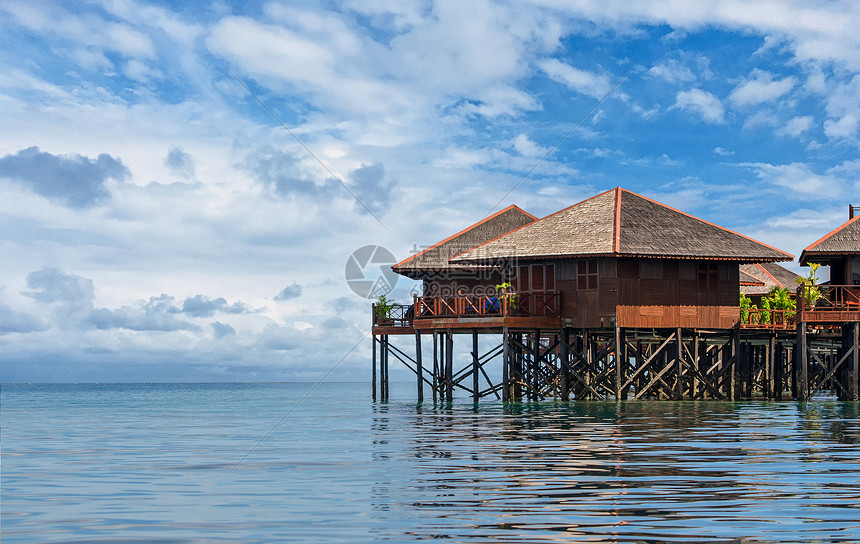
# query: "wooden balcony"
[766,319]
[839,304]
[515,310]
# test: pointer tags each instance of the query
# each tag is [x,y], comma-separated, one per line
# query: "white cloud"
[762,118]
[797,126]
[799,178]
[761,87]
[673,72]
[582,81]
[723,152]
[702,103]
[526,147]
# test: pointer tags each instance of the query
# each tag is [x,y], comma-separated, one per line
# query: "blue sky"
[157,224]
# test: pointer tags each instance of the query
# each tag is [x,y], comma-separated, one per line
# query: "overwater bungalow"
[618,296]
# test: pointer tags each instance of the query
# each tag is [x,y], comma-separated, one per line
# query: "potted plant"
[382,310]
[504,291]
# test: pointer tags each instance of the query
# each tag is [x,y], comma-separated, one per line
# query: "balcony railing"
[507,305]
[836,303]
[398,315]
[764,318]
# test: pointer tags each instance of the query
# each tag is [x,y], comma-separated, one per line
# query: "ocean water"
[245,463]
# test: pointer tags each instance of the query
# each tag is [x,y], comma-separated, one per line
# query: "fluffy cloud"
[672,71]
[760,88]
[582,81]
[289,292]
[12,320]
[799,178]
[702,103]
[72,180]
[220,330]
[153,315]
[797,126]
[203,306]
[180,163]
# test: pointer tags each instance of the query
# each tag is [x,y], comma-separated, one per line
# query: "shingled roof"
[844,240]
[769,275]
[436,257]
[623,224]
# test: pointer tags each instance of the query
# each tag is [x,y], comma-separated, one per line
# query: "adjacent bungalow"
[839,250]
[757,280]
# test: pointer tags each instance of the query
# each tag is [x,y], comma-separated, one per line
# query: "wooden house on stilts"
[616,297]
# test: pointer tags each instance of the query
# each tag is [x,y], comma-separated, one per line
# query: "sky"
[182,184]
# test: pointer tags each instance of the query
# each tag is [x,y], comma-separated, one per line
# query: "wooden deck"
[491,314]
[839,304]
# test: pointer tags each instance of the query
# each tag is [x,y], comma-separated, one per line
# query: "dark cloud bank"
[75,181]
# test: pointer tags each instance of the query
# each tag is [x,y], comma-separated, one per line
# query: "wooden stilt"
[382,368]
[679,361]
[535,366]
[419,366]
[564,364]
[476,394]
[449,367]
[373,367]
[855,379]
[620,391]
[506,365]
[803,362]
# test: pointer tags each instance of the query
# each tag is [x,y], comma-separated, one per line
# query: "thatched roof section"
[621,223]
[844,240]
[769,275]
[749,279]
[436,257]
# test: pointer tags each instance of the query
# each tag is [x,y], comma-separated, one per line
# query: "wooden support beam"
[419,366]
[449,366]
[435,367]
[564,364]
[373,367]
[802,363]
[620,390]
[679,385]
[736,363]
[855,379]
[475,392]
[506,365]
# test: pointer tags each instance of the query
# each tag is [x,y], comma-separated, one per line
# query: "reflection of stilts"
[636,364]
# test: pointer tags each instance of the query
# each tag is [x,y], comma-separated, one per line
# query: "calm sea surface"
[161,464]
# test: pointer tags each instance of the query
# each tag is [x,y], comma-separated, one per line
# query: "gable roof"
[436,257]
[622,223]
[749,279]
[769,275]
[844,240]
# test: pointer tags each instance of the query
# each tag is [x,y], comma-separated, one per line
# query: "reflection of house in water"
[619,297]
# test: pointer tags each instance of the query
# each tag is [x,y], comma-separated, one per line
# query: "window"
[586,274]
[709,277]
[534,278]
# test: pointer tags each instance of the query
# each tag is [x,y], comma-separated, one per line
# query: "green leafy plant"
[383,307]
[746,304]
[811,291]
[779,299]
[504,290]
